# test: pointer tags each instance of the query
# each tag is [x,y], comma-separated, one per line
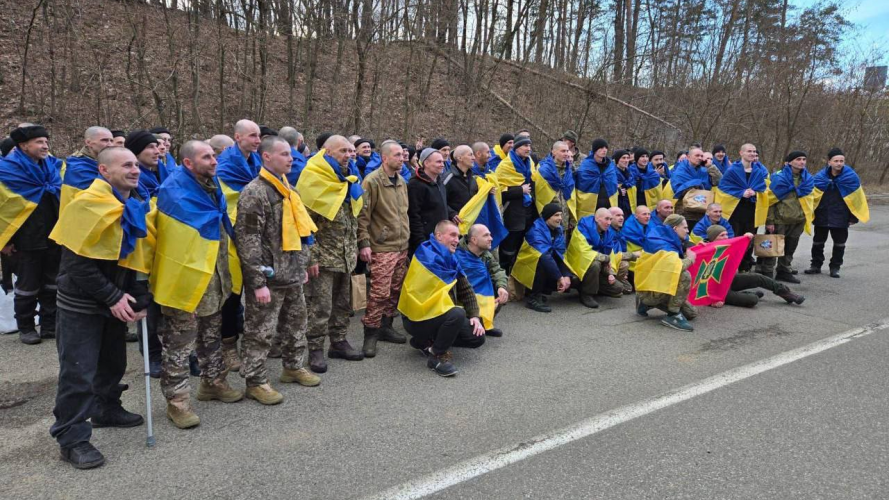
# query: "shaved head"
[603,218]
[97,139]
[246,126]
[290,135]
[94,132]
[219,142]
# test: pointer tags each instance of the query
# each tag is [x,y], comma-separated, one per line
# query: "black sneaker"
[117,417]
[813,270]
[494,332]
[787,278]
[441,364]
[29,336]
[83,456]
[834,272]
[47,332]
[588,301]
[155,369]
[536,303]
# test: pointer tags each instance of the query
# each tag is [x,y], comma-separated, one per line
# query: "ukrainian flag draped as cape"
[589,183]
[480,171]
[80,172]
[234,172]
[587,243]
[634,234]
[782,184]
[23,182]
[148,181]
[684,177]
[296,168]
[366,166]
[650,184]
[734,182]
[513,171]
[850,189]
[496,158]
[538,241]
[699,233]
[659,267]
[323,188]
[188,227]
[548,185]
[477,273]
[483,208]
[425,293]
[99,224]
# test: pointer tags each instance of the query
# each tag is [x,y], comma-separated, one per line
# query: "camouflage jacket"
[259,241]
[336,242]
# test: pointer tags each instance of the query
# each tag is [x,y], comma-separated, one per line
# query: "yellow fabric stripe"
[68,193]
[142,257]
[183,265]
[632,247]
[668,192]
[525,268]
[231,200]
[90,224]
[652,196]
[14,211]
[469,213]
[658,272]
[423,295]
[486,307]
[295,221]
[580,255]
[321,190]
[616,257]
[857,203]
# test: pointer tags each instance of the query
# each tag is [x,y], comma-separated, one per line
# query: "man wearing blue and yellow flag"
[839,203]
[589,257]
[273,233]
[481,153]
[488,279]
[295,139]
[634,231]
[191,281]
[29,208]
[427,303]
[540,265]
[597,184]
[742,194]
[514,177]
[647,180]
[712,216]
[331,191]
[81,168]
[501,150]
[791,195]
[144,145]
[554,183]
[102,233]
[691,173]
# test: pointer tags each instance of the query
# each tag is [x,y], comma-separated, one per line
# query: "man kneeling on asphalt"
[589,257]
[480,266]
[427,306]
[657,263]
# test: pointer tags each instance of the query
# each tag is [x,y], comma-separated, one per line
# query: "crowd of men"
[245,248]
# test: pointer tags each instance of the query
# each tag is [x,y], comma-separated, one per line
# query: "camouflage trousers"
[595,281]
[328,298]
[623,276]
[672,304]
[387,270]
[180,334]
[284,317]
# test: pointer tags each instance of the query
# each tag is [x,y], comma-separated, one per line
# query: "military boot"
[302,377]
[29,336]
[179,412]
[219,390]
[230,353]
[386,333]
[265,394]
[317,363]
[588,301]
[343,350]
[370,341]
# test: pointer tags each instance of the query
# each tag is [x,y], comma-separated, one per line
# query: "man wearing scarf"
[720,158]
[81,168]
[167,159]
[554,183]
[367,160]
[514,176]
[626,181]
[540,265]
[621,247]
[295,139]
[145,146]
[501,150]
[273,231]
[691,173]
[427,199]
[634,230]
[597,183]
[482,154]
[98,295]
[839,202]
[742,194]
[192,220]
[331,191]
[427,302]
[659,163]
[712,216]
[647,180]
[791,212]
[489,281]
[29,208]
[589,257]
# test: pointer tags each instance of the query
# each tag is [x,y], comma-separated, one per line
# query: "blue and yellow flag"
[783,184]
[296,167]
[634,234]
[735,181]
[234,172]
[189,223]
[476,272]
[23,182]
[589,244]
[496,158]
[849,185]
[538,241]
[369,164]
[699,233]
[683,177]
[589,183]
[659,267]
[425,293]
[480,171]
[515,171]
[650,182]
[482,208]
[324,188]
[99,224]
[80,172]
[548,185]
[296,225]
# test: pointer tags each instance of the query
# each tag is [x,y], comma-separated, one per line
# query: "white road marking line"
[497,459]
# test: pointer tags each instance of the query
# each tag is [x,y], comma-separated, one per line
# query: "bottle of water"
[267,271]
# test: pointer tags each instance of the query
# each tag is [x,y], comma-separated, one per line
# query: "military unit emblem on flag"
[714,269]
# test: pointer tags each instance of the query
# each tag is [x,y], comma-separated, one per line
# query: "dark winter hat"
[362,140]
[521,141]
[549,210]
[118,133]
[639,153]
[830,154]
[321,139]
[599,144]
[506,138]
[681,153]
[439,143]
[673,220]
[138,140]
[411,152]
[656,153]
[719,148]
[160,130]
[794,155]
[25,134]
[714,231]
[426,153]
[618,154]
[6,146]
[265,130]
[570,135]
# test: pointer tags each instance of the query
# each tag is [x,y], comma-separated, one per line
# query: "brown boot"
[302,377]
[219,390]
[264,394]
[230,353]
[179,412]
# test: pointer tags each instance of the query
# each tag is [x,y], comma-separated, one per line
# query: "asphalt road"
[813,428]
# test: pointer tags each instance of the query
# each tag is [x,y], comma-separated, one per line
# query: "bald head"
[218,143]
[340,149]
[290,135]
[479,239]
[603,218]
[617,217]
[247,136]
[561,152]
[96,139]
[664,209]
[120,168]
[463,157]
[482,152]
[643,214]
